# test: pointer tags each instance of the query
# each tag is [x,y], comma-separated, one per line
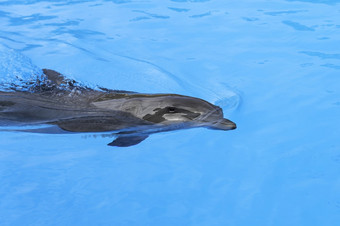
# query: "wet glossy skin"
[131,115]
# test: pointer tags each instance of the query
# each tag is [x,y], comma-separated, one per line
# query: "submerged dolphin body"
[70,107]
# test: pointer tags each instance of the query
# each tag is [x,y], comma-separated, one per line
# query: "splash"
[17,72]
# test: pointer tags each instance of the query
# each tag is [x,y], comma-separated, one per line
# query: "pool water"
[272,66]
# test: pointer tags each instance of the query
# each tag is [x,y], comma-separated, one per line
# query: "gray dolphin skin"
[67,107]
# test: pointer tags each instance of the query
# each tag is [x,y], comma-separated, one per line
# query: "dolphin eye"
[171,109]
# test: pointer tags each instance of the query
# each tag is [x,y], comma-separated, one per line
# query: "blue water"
[274,68]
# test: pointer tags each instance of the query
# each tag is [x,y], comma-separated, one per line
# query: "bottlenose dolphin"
[66,106]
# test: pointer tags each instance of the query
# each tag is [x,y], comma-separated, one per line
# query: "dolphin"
[69,107]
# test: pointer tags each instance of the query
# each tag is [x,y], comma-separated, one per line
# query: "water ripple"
[328,2]
[179,9]
[140,18]
[277,13]
[153,15]
[10,39]
[4,14]
[322,55]
[31,2]
[297,26]
[333,66]
[201,15]
[190,0]
[77,33]
[30,46]
[250,19]
[23,20]
[67,23]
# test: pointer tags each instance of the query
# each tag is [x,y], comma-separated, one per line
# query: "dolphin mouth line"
[220,124]
[228,124]
[224,124]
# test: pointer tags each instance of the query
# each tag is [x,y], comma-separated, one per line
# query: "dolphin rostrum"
[67,106]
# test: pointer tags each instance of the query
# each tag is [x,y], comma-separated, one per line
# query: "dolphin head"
[175,110]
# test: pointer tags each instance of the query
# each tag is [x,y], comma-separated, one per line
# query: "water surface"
[272,66]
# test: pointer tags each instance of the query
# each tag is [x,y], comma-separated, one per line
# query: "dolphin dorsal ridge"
[56,78]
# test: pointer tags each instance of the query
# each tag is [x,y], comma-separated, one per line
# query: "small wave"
[230,103]
[224,96]
[17,71]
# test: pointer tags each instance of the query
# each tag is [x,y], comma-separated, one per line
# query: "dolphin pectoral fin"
[127,141]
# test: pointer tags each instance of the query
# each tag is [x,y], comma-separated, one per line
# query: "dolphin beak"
[223,124]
